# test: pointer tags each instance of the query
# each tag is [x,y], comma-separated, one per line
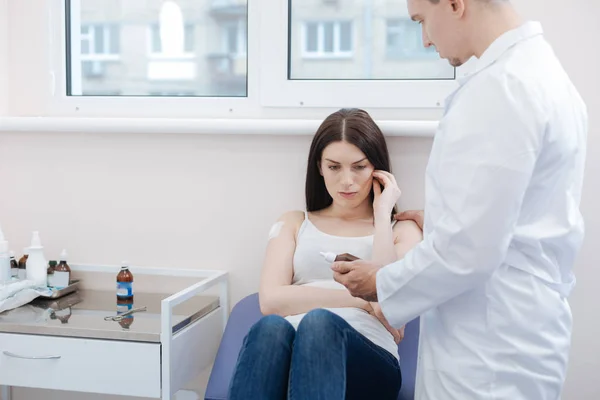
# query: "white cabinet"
[95,366]
[76,345]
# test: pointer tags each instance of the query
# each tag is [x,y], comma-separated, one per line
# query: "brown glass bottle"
[50,273]
[62,272]
[346,257]
[124,283]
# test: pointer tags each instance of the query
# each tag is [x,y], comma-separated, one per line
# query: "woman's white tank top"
[311,269]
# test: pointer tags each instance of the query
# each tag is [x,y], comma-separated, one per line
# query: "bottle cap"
[63,255]
[26,251]
[11,254]
[36,243]
[124,265]
[329,256]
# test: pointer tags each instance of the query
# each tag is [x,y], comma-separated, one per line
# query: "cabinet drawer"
[95,366]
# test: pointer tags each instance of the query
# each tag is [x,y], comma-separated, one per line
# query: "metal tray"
[56,293]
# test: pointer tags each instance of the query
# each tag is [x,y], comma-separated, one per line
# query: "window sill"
[197,126]
[327,56]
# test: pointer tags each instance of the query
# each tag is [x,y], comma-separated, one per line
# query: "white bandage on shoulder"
[275,230]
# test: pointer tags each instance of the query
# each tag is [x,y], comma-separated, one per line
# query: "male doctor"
[502,224]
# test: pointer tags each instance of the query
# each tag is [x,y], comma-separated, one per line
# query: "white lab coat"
[491,278]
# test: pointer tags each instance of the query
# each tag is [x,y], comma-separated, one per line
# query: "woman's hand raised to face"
[385,200]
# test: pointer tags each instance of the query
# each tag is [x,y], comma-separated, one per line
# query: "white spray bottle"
[37,266]
[5,273]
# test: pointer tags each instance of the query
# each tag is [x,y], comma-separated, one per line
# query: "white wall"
[208,201]
[3,56]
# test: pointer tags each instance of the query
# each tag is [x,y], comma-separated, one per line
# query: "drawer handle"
[8,353]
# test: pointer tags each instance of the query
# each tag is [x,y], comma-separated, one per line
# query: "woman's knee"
[272,328]
[318,322]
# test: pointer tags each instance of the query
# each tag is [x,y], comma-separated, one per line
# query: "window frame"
[279,91]
[269,92]
[58,103]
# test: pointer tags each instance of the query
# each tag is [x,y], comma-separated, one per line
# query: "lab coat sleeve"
[483,167]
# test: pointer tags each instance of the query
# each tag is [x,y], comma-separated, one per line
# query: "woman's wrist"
[382,217]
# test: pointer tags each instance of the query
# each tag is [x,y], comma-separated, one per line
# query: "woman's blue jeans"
[325,359]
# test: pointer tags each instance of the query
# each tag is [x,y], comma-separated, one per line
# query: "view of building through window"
[158,47]
[359,39]
[199,47]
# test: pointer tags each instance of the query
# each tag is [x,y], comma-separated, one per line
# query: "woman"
[316,340]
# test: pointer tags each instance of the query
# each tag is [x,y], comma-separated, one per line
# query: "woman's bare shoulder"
[290,220]
[407,230]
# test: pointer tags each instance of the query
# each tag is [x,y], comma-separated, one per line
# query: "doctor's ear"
[458,7]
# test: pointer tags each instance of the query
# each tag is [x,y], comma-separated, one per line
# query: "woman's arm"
[390,245]
[277,295]
[407,234]
[384,252]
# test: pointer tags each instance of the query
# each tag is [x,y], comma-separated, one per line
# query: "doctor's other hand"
[415,215]
[359,277]
[384,201]
[398,334]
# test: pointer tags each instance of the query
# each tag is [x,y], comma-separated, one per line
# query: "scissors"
[125,314]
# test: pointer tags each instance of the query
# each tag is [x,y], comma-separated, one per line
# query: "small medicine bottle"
[22,274]
[14,265]
[332,257]
[62,272]
[50,273]
[124,282]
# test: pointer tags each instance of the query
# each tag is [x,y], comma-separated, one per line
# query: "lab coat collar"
[500,46]
[507,41]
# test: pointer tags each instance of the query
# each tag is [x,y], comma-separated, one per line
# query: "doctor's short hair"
[351,125]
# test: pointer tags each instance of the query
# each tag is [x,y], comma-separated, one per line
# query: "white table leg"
[224,302]
[5,393]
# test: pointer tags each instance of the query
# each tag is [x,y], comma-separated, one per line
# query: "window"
[171,50]
[341,53]
[327,39]
[404,40]
[183,48]
[156,44]
[99,41]
[173,94]
[234,38]
[363,40]
[99,47]
[237,58]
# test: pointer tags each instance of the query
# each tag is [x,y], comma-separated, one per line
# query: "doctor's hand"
[384,201]
[398,334]
[359,277]
[415,215]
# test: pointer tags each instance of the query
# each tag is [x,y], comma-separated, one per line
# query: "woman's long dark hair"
[353,126]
